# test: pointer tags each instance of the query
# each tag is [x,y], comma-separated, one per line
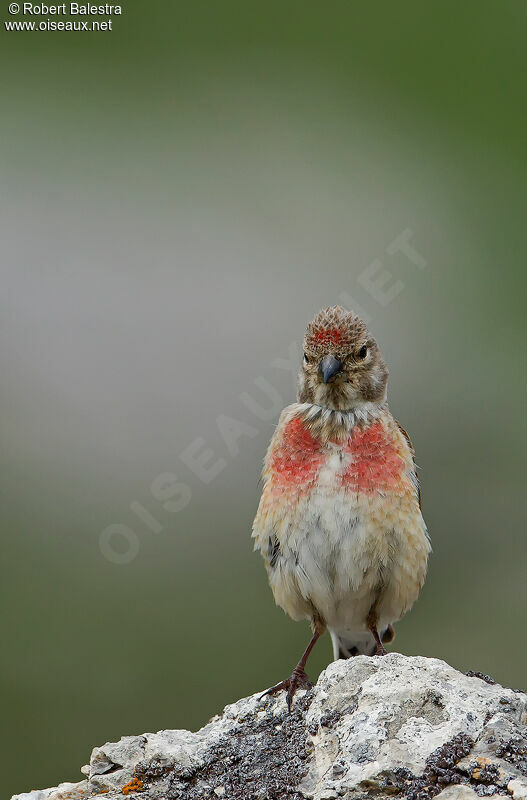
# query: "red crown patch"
[329,336]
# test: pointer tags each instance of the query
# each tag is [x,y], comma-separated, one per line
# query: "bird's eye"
[305,358]
[363,352]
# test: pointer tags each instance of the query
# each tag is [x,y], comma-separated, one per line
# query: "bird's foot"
[298,680]
[381,650]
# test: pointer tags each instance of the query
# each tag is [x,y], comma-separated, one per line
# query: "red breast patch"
[298,458]
[375,461]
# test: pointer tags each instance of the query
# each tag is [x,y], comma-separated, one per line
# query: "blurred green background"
[179,196]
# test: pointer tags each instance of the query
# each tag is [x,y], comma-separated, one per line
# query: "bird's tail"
[346,645]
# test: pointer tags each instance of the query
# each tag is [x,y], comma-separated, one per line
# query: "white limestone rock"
[379,727]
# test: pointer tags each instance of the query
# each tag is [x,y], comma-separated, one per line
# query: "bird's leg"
[371,622]
[298,678]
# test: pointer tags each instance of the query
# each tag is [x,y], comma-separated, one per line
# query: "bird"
[339,522]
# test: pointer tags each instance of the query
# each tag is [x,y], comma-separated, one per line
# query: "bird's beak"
[329,366]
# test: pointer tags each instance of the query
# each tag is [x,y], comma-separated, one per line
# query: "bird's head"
[343,367]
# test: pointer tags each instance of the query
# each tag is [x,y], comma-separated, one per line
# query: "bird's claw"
[298,680]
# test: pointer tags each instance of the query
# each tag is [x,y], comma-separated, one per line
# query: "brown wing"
[410,445]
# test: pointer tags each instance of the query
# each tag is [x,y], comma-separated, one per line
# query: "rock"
[518,789]
[459,792]
[64,791]
[371,727]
